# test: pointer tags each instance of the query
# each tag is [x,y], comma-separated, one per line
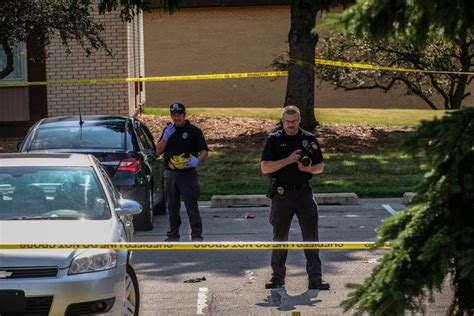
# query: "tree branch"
[437,87]
[389,86]
[418,92]
[376,85]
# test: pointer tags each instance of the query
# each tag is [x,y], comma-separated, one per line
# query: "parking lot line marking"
[389,209]
[202,300]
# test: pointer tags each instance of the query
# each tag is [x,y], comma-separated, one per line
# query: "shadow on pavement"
[286,302]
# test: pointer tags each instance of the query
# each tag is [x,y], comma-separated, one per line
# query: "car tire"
[144,220]
[131,304]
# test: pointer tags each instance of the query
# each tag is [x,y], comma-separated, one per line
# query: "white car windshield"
[49,193]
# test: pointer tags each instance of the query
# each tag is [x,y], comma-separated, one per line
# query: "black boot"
[318,285]
[274,284]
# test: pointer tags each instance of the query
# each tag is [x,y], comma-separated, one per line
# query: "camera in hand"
[307,153]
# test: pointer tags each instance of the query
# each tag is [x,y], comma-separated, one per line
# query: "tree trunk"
[300,86]
[465,59]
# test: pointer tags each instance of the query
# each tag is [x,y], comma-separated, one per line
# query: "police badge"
[185,135]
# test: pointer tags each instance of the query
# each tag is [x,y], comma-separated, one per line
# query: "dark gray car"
[124,145]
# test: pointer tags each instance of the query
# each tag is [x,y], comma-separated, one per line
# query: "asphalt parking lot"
[172,281]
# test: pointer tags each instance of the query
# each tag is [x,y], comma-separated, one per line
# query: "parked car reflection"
[124,145]
[64,199]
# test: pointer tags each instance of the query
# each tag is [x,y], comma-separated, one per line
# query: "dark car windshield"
[51,193]
[104,137]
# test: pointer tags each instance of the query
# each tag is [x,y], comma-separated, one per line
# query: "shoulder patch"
[307,134]
[277,133]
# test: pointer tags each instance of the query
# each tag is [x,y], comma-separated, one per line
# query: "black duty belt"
[181,170]
[293,187]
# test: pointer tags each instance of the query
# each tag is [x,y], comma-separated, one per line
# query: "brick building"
[20,107]
[227,36]
[203,37]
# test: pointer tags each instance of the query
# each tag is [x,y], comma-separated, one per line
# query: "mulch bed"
[248,134]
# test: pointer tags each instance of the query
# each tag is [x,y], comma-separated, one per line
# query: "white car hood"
[51,232]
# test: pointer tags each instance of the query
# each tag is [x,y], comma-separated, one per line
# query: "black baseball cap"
[177,108]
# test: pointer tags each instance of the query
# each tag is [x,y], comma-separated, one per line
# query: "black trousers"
[183,185]
[284,206]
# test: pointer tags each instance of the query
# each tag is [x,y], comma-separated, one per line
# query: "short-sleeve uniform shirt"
[280,145]
[185,141]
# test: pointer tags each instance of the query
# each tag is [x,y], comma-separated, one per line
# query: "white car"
[64,199]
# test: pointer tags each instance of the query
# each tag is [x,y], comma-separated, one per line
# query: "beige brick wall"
[116,99]
[234,39]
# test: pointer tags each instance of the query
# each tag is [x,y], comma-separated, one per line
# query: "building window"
[19,63]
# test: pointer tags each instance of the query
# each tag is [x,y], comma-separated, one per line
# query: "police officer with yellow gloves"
[291,156]
[184,148]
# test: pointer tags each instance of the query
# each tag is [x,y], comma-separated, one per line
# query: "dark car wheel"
[144,221]
[131,304]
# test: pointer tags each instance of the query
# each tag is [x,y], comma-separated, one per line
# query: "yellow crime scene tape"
[271,245]
[239,75]
[333,63]
[397,69]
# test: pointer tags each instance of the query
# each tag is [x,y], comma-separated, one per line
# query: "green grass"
[381,117]
[379,174]
[385,172]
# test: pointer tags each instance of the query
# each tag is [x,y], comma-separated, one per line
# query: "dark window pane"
[103,137]
[50,192]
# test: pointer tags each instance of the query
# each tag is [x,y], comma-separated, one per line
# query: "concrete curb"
[222,201]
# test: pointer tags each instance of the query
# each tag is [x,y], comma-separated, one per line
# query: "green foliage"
[414,20]
[130,8]
[71,20]
[433,241]
[40,21]
[437,54]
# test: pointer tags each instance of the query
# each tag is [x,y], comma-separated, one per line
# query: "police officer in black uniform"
[291,156]
[184,148]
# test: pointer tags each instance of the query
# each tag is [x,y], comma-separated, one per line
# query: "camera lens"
[305,161]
